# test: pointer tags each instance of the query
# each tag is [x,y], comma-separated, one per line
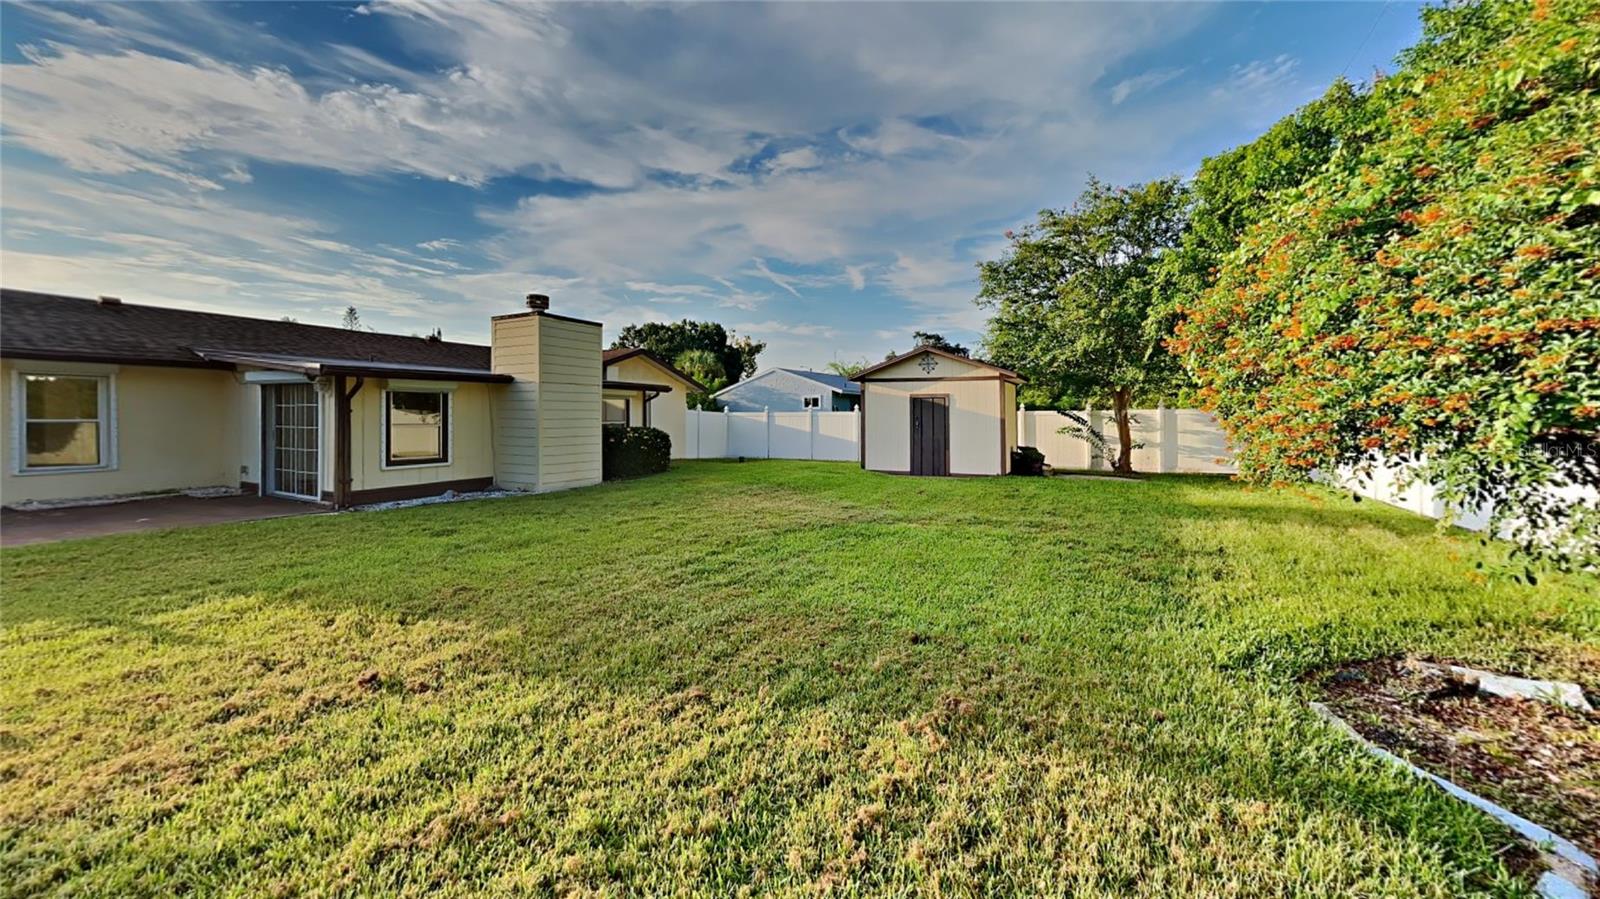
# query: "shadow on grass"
[1083,616]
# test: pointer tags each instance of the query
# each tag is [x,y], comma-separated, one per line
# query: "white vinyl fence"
[825,436]
[1175,440]
[1388,483]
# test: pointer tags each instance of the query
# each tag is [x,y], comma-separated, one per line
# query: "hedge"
[629,452]
[1432,295]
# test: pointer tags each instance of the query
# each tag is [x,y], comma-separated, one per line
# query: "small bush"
[1027,461]
[628,452]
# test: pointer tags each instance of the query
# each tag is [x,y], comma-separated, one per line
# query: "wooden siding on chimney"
[569,403]
[514,350]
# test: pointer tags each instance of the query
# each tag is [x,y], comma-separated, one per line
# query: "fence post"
[811,451]
[727,433]
[768,410]
[1168,421]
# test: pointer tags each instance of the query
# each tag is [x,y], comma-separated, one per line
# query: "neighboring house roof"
[618,354]
[49,326]
[1005,373]
[826,380]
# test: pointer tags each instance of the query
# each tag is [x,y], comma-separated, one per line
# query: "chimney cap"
[538,302]
[106,300]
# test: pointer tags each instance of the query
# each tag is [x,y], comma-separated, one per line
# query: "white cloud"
[652,287]
[1147,81]
[761,270]
[775,326]
[795,160]
[238,174]
[910,273]
[1259,76]
[857,274]
[897,136]
[661,111]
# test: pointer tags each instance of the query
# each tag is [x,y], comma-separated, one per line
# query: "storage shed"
[932,412]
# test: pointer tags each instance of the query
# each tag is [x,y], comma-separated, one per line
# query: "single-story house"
[104,398]
[932,412]
[644,390]
[791,390]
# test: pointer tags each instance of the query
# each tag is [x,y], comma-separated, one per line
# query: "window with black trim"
[812,402]
[66,422]
[418,427]
[614,410]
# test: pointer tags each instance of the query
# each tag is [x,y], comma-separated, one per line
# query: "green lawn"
[767,677]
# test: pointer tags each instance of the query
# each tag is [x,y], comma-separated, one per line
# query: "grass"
[767,677]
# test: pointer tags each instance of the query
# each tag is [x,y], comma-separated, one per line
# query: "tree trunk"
[1119,412]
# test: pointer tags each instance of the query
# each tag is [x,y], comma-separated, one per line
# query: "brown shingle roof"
[48,326]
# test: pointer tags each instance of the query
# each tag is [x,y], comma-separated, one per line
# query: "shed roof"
[1005,373]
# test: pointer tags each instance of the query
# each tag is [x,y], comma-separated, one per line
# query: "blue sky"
[820,176]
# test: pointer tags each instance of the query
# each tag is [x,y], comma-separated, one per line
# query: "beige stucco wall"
[247,415]
[471,436]
[174,428]
[977,405]
[667,411]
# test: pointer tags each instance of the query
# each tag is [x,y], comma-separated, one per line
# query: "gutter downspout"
[648,396]
[341,458]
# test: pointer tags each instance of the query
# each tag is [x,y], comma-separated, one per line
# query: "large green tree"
[1432,294]
[938,342]
[670,340]
[706,367]
[1233,190]
[1075,306]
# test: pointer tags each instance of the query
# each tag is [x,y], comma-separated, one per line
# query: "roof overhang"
[107,358]
[635,385]
[313,367]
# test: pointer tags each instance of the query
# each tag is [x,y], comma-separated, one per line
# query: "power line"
[1370,32]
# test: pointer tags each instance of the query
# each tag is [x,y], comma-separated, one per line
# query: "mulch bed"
[1535,758]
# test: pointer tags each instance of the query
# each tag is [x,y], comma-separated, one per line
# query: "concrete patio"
[18,528]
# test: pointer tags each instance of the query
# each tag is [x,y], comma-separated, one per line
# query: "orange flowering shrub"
[1432,294]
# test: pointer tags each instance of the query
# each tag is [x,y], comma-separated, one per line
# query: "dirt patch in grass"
[1535,758]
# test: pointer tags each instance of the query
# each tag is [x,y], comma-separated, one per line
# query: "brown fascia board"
[111,358]
[635,385]
[565,318]
[862,374]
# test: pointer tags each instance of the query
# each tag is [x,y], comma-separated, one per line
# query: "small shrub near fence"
[629,452]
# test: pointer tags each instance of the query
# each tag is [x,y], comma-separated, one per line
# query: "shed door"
[930,435]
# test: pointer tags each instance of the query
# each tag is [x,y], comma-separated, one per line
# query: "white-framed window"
[66,422]
[614,410]
[812,402]
[416,428]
